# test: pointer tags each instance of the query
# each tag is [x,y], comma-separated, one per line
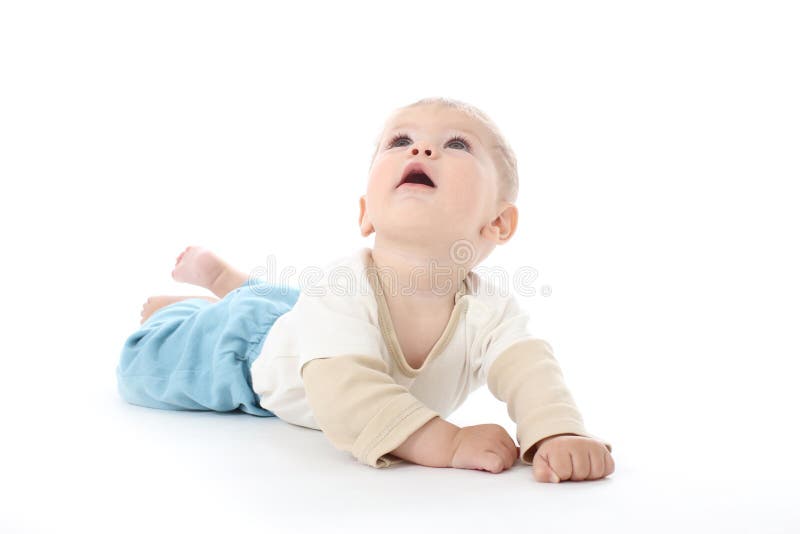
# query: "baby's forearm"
[431,445]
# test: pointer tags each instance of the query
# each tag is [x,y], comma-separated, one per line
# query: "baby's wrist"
[539,443]
[431,445]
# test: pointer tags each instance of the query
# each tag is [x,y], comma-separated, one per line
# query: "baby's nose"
[415,151]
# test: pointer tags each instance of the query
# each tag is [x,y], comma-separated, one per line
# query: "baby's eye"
[457,139]
[398,137]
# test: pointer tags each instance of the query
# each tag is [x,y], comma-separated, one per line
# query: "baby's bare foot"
[198,266]
[157,302]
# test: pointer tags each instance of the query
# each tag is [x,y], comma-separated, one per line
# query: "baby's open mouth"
[418,178]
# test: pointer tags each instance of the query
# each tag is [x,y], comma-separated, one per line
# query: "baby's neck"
[418,274]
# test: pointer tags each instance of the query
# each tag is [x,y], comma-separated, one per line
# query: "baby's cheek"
[470,200]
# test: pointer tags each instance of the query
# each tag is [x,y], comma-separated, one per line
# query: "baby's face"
[454,151]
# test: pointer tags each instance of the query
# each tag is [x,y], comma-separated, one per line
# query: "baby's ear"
[363,218]
[504,224]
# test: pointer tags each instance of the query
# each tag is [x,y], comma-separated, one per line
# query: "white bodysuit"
[333,363]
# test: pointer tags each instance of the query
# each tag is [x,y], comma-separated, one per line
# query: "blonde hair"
[503,156]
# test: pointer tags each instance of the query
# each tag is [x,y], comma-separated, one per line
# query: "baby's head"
[472,170]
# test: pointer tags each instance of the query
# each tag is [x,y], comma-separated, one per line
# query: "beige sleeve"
[360,409]
[528,379]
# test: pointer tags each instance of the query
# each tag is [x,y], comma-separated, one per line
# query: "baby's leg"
[157,302]
[195,355]
[201,267]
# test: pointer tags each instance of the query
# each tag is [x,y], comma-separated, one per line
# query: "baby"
[379,365]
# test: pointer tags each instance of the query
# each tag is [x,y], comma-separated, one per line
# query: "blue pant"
[196,355]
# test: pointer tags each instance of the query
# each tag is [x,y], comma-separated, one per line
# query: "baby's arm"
[360,409]
[442,444]
[527,377]
[431,445]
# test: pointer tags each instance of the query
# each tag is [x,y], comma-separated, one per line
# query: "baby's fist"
[483,447]
[571,457]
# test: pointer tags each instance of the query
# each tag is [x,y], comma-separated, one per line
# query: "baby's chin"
[418,230]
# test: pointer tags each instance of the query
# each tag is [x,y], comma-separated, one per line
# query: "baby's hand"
[570,457]
[484,447]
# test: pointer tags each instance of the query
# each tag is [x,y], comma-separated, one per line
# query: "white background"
[658,161]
